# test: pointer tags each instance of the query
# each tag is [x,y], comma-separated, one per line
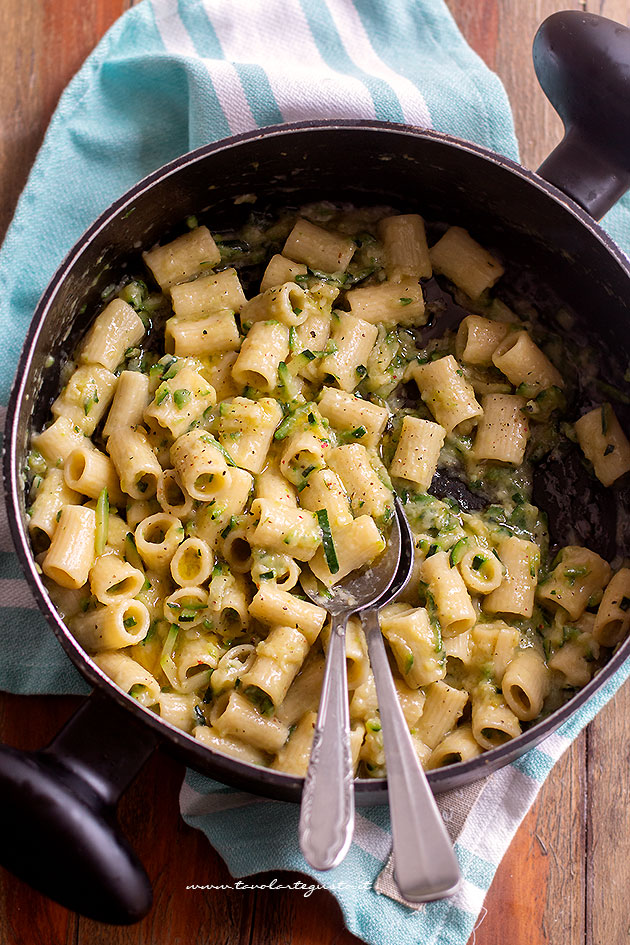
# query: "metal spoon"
[327,813]
[425,866]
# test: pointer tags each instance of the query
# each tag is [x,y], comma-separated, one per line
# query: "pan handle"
[583,65]
[58,813]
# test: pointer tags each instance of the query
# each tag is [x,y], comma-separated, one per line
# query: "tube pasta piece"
[612,621]
[575,660]
[352,341]
[303,695]
[71,552]
[271,484]
[112,579]
[372,750]
[494,645]
[185,337]
[579,576]
[460,745]
[218,371]
[304,453]
[493,722]
[454,606]
[413,642]
[481,570]
[312,335]
[196,658]
[398,303]
[227,745]
[171,496]
[275,607]
[209,294]
[246,429]
[155,588]
[318,248]
[200,465]
[503,430]
[288,303]
[242,720]
[140,509]
[235,663]
[181,400]
[116,532]
[86,397]
[357,662]
[294,756]
[458,648]
[186,606]
[406,249]
[280,270]
[58,440]
[603,442]
[112,627]
[356,544]
[462,260]
[446,392]
[478,338]
[368,495]
[411,701]
[515,593]
[183,258]
[281,528]
[178,709]
[525,684]
[443,707]
[51,496]
[237,548]
[281,569]
[323,489]
[157,538]
[278,660]
[192,563]
[418,451]
[522,362]
[131,398]
[348,412]
[263,350]
[214,516]
[135,462]
[363,701]
[116,329]
[89,471]
[132,678]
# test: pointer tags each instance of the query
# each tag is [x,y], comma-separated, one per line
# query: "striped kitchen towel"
[170,76]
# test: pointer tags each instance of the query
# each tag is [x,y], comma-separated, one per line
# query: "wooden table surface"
[564,879]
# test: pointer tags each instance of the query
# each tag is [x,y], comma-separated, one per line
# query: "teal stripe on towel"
[333,52]
[253,78]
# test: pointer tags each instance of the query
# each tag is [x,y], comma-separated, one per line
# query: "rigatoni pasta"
[227,436]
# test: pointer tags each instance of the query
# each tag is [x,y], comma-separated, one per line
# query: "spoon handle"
[425,865]
[327,814]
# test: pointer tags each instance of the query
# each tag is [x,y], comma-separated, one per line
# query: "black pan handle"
[583,65]
[58,828]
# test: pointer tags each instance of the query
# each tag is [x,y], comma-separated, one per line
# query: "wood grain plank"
[502,34]
[608,824]
[537,897]
[288,917]
[42,44]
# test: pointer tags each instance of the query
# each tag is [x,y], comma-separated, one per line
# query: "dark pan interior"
[547,241]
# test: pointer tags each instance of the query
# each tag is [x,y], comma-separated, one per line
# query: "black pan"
[57,818]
